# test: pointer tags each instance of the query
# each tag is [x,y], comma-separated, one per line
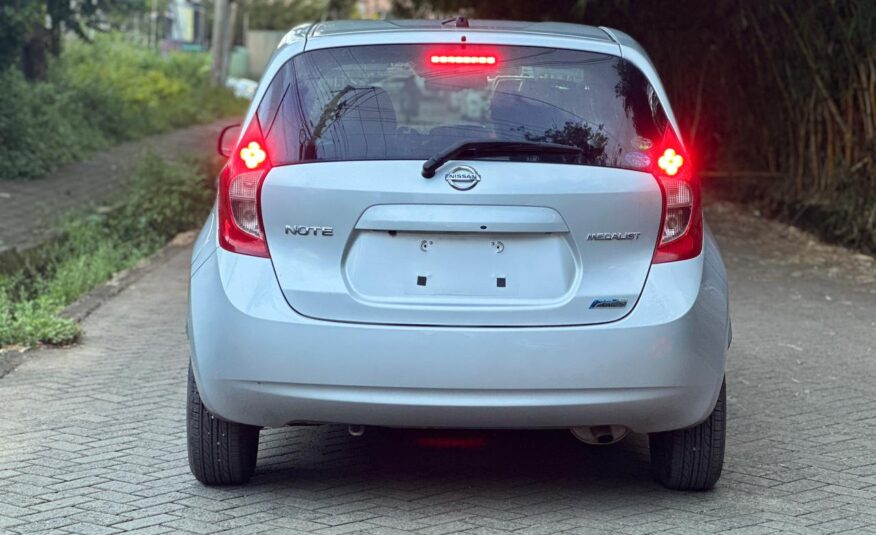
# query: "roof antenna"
[461,22]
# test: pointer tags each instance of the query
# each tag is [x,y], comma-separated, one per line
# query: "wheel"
[220,452]
[692,458]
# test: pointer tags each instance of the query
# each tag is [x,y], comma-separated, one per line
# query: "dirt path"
[28,208]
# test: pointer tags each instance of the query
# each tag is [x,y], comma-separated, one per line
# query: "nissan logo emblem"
[462,178]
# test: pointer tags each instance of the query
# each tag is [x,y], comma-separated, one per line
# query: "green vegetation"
[163,199]
[284,14]
[99,94]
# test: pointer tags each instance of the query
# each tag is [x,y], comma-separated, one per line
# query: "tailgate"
[533,244]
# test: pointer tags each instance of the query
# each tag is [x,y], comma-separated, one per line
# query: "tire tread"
[220,452]
[692,458]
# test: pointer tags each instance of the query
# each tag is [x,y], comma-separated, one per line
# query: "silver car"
[468,224]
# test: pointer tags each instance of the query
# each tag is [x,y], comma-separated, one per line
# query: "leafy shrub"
[165,199]
[40,127]
[6,328]
[38,321]
[27,321]
[98,94]
[131,91]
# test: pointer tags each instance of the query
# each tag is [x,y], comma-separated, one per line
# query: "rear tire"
[220,452]
[691,459]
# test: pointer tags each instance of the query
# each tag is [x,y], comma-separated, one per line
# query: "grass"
[162,200]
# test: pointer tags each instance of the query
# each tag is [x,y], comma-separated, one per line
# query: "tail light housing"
[240,183]
[681,236]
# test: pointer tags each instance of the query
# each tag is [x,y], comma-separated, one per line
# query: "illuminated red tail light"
[682,233]
[240,182]
[670,162]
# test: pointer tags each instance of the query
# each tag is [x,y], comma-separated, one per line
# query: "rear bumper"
[258,362]
[641,409]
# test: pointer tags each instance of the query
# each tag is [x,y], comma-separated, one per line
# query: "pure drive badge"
[608,303]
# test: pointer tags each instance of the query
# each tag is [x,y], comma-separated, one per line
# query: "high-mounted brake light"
[438,59]
[682,233]
[240,182]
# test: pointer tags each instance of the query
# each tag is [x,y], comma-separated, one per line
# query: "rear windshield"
[407,102]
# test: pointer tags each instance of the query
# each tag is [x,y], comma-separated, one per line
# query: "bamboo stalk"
[816,75]
[834,164]
[699,98]
[811,147]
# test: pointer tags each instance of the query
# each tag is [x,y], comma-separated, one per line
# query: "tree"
[492,9]
[31,29]
[18,20]
[284,14]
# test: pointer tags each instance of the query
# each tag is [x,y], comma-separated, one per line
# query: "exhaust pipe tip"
[356,430]
[600,435]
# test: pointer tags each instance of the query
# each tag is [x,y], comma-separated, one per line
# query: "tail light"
[240,182]
[682,233]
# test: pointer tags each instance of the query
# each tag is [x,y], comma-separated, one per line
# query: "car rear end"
[518,287]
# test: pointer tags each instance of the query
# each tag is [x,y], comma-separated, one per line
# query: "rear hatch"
[357,234]
[405,250]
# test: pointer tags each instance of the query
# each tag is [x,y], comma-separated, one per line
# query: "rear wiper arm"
[480,149]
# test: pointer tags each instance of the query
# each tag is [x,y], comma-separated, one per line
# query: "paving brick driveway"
[92,437]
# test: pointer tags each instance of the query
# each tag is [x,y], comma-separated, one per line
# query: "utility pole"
[201,26]
[154,30]
[217,42]
[228,39]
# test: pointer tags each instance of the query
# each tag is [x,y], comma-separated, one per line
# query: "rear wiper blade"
[480,149]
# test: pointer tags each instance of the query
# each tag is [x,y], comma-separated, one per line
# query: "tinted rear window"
[387,102]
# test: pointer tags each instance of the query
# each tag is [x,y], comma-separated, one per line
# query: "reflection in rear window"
[389,102]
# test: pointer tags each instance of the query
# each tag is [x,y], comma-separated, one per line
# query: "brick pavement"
[93,439]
